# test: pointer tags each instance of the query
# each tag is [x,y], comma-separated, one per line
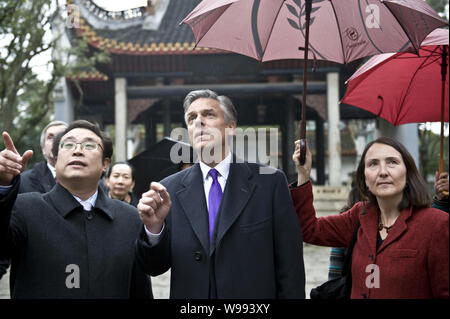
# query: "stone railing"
[329,199]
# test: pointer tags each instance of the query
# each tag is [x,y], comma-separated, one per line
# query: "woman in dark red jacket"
[402,247]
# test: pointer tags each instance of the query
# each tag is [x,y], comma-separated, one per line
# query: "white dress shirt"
[223,168]
[52,170]
[88,203]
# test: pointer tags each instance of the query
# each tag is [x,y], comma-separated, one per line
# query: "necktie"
[214,198]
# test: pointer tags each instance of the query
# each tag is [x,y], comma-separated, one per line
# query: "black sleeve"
[141,284]
[154,260]
[6,206]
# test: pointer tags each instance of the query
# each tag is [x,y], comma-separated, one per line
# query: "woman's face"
[385,172]
[120,182]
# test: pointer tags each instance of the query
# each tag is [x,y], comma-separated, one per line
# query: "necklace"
[381,226]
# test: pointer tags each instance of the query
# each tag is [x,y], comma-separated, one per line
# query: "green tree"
[429,149]
[440,6]
[29,71]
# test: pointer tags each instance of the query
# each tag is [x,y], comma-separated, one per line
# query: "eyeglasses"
[87,145]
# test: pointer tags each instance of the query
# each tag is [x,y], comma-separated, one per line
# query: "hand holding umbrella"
[441,185]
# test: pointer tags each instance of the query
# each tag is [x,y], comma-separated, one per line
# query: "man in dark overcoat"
[74,241]
[41,178]
[226,229]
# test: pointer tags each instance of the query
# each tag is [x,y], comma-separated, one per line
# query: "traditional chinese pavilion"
[154,64]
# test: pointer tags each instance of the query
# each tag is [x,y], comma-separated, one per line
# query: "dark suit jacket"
[38,179]
[257,251]
[44,233]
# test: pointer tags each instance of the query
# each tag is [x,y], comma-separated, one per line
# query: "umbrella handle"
[302,157]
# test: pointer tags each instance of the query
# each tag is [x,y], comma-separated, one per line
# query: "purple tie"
[215,195]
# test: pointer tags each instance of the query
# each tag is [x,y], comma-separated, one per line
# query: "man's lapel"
[193,202]
[48,179]
[238,191]
[62,200]
[42,176]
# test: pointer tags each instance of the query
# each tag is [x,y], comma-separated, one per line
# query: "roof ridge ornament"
[158,9]
[151,6]
[100,18]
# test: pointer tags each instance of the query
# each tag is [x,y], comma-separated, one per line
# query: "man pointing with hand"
[11,163]
[154,207]
[73,241]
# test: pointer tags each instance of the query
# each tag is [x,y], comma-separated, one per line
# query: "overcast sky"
[119,5]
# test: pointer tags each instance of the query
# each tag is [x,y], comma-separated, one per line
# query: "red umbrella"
[404,87]
[333,30]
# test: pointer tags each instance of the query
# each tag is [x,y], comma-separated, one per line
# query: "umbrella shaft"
[441,156]
[302,158]
[308,6]
[443,92]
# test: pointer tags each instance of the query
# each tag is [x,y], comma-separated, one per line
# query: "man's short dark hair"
[133,174]
[106,141]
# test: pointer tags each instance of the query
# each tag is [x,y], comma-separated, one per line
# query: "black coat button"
[198,256]
[89,216]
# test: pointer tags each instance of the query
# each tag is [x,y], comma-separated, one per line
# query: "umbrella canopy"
[333,30]
[160,161]
[406,88]
[340,30]
[403,87]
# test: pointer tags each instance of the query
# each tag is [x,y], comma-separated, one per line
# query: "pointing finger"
[26,157]
[9,144]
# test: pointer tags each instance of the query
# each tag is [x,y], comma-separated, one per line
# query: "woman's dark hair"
[416,190]
[133,173]
[353,195]
[106,141]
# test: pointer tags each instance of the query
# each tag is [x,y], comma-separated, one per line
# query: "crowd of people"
[71,227]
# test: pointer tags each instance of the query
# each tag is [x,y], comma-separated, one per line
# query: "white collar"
[223,167]
[88,203]
[52,170]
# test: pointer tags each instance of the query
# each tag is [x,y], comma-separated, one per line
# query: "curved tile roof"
[129,32]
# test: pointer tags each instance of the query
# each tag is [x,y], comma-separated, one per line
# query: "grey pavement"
[316,268]
[316,271]
[4,286]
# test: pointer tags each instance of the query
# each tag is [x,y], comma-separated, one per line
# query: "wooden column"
[334,136]
[121,120]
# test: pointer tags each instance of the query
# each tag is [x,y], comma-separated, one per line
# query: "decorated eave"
[133,35]
[151,30]
[88,76]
